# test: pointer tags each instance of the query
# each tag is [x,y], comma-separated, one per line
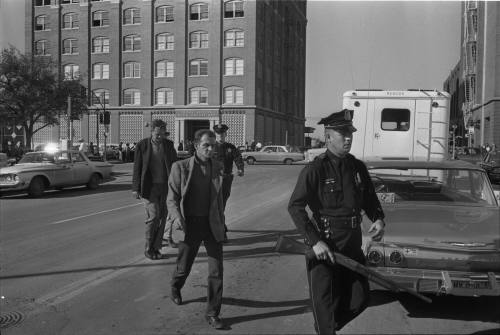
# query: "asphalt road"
[72,263]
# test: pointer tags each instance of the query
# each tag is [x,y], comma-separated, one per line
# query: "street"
[72,263]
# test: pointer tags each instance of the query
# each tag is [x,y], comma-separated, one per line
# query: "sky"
[350,44]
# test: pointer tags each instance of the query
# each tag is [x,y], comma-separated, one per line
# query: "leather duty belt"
[340,222]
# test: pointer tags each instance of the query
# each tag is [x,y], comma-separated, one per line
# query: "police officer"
[338,189]
[227,153]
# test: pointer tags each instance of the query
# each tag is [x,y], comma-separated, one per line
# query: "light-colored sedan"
[41,170]
[443,227]
[274,154]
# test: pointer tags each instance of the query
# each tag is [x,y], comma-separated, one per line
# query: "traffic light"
[104,118]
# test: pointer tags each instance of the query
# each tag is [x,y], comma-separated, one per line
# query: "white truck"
[410,124]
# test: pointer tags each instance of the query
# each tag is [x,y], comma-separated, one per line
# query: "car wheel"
[37,187]
[288,161]
[250,161]
[93,181]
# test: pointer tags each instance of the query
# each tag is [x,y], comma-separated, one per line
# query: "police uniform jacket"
[333,187]
[227,153]
[141,176]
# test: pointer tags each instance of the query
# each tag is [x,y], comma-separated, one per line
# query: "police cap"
[220,128]
[339,120]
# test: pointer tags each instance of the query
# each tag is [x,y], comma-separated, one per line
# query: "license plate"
[471,284]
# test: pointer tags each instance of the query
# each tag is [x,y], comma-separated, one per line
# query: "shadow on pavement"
[485,309]
[299,307]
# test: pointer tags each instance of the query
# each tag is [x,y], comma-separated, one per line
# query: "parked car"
[313,153]
[41,170]
[491,164]
[443,227]
[274,154]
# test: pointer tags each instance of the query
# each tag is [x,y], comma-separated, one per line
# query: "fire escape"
[469,54]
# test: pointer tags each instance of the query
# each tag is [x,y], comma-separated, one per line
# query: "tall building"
[191,63]
[477,86]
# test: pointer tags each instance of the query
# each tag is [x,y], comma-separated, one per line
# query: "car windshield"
[37,157]
[451,186]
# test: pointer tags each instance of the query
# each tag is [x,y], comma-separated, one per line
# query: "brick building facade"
[188,62]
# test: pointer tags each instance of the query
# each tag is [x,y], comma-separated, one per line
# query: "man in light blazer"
[195,204]
[153,160]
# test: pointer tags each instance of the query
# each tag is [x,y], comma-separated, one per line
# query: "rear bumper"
[442,282]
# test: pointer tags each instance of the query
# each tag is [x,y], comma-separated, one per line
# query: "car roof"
[421,164]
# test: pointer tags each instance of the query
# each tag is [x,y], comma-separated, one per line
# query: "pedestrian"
[252,146]
[258,146]
[83,146]
[121,152]
[154,158]
[337,188]
[91,149]
[180,147]
[194,203]
[127,152]
[227,154]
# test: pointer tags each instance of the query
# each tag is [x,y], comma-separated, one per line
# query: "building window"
[71,71]
[198,39]
[132,70]
[164,14]
[100,45]
[234,38]
[164,68]
[198,95]
[100,71]
[198,11]
[131,97]
[233,67]
[164,96]
[70,21]
[42,48]
[164,41]
[100,19]
[39,3]
[41,23]
[100,97]
[233,95]
[198,67]
[132,43]
[67,2]
[70,46]
[132,16]
[233,9]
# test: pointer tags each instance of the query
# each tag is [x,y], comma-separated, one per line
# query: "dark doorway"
[191,126]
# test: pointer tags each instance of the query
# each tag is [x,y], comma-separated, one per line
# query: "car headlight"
[10,178]
[375,257]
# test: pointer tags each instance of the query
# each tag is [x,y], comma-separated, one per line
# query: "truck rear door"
[391,135]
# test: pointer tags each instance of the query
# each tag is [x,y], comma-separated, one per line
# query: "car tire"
[250,161]
[93,182]
[288,161]
[37,187]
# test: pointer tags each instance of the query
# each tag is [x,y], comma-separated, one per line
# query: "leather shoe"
[176,297]
[150,254]
[215,322]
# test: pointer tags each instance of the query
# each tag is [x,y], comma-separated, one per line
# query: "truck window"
[395,119]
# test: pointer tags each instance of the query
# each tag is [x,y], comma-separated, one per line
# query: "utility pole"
[454,127]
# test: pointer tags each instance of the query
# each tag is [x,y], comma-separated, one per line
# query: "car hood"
[27,167]
[444,227]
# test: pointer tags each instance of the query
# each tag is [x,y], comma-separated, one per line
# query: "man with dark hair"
[337,188]
[195,205]
[153,160]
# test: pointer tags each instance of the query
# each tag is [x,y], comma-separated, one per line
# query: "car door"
[81,168]
[269,153]
[62,173]
[281,154]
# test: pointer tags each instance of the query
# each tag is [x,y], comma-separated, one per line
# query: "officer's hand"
[323,252]
[377,228]
[241,173]
[136,195]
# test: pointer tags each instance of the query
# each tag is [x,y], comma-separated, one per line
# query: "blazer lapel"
[147,154]
[189,171]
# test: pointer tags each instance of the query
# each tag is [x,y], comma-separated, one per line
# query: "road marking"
[92,214]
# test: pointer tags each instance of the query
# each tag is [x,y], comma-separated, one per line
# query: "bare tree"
[33,94]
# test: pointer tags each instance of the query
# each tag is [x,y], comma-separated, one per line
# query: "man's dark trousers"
[348,297]
[198,230]
[156,212]
[227,182]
